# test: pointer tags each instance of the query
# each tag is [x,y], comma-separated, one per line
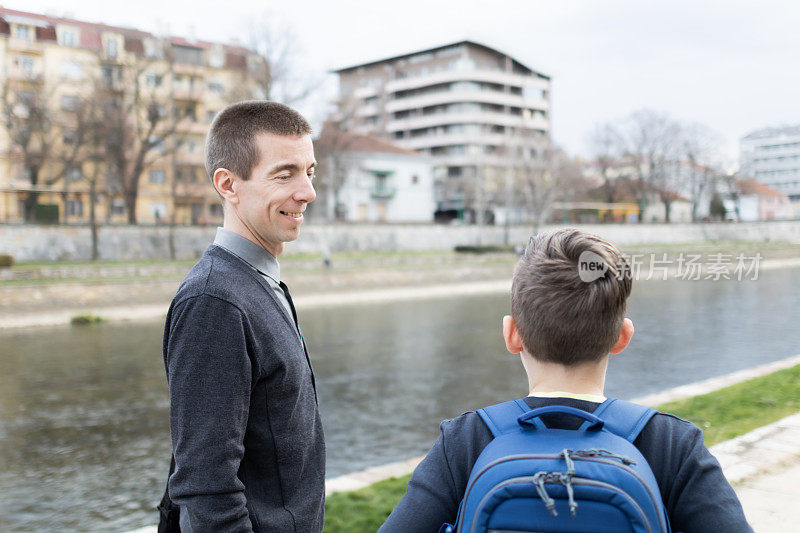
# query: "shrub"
[6,260]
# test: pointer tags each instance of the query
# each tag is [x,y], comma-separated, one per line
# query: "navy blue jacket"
[246,430]
[696,494]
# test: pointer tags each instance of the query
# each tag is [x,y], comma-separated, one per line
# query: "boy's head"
[568,297]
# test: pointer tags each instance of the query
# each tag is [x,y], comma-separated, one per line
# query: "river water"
[84,436]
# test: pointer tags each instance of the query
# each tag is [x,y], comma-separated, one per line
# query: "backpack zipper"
[574,481]
[588,455]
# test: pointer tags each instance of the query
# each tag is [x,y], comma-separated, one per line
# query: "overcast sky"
[732,65]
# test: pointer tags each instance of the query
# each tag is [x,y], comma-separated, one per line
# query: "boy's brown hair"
[231,141]
[566,311]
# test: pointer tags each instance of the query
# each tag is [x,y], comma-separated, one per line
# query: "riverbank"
[50,294]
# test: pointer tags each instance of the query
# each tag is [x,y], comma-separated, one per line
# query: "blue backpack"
[533,478]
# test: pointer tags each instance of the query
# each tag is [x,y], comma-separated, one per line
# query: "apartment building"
[51,66]
[772,157]
[477,112]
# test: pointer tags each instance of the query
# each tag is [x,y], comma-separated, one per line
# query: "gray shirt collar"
[249,252]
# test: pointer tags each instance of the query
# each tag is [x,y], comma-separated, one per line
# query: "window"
[75,174]
[210,115]
[71,70]
[216,58]
[414,179]
[112,48]
[158,176]
[118,207]
[153,49]
[188,54]
[24,63]
[159,145]
[216,87]
[23,32]
[74,208]
[70,102]
[69,137]
[216,210]
[153,80]
[67,36]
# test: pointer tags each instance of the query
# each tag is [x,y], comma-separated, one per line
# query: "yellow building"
[173,86]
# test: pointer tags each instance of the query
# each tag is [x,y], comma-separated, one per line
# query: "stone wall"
[70,243]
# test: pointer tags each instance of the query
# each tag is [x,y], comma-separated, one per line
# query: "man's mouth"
[291,214]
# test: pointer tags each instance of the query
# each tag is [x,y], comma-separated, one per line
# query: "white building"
[464,104]
[754,201]
[772,156]
[376,181]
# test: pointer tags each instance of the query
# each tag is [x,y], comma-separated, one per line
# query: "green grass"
[722,415]
[743,407]
[365,509]
[83,320]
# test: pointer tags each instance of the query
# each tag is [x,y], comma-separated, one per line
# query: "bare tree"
[699,144]
[28,120]
[606,143]
[137,127]
[279,77]
[544,177]
[649,141]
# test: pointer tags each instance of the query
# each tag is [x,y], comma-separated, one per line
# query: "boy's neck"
[587,379]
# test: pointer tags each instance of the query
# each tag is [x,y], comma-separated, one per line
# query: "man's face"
[271,203]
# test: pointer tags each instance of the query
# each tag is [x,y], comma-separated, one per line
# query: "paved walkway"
[764,468]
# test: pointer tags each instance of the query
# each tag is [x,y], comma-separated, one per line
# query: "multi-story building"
[163,91]
[772,157]
[477,112]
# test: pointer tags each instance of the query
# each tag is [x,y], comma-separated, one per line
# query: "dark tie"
[285,290]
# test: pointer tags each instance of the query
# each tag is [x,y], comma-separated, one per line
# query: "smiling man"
[249,452]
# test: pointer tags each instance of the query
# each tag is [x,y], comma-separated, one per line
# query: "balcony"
[468,117]
[489,76]
[450,97]
[17,44]
[382,191]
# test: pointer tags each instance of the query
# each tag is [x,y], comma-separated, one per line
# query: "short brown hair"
[560,317]
[231,140]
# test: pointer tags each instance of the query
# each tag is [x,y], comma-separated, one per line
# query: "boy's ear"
[511,335]
[624,336]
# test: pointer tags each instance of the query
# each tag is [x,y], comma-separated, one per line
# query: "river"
[84,436]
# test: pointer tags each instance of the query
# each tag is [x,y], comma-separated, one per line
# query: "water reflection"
[84,437]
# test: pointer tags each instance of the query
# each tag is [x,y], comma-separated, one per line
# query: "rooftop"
[436,48]
[90,31]
[773,131]
[334,138]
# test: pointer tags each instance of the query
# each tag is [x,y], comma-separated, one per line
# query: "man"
[246,433]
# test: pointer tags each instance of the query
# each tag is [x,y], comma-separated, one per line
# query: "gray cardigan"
[246,430]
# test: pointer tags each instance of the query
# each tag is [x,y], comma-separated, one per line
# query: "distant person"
[249,451]
[564,329]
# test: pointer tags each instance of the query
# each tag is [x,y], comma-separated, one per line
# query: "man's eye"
[286,177]
[311,175]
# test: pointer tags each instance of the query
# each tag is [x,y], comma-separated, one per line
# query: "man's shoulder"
[217,273]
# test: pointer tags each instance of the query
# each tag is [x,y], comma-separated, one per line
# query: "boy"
[564,323]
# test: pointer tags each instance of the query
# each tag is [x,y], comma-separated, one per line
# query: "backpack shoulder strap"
[502,418]
[624,419]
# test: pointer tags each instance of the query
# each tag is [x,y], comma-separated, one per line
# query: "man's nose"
[305,193]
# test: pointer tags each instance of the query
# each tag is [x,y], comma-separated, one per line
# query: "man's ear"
[624,336]
[224,182]
[511,335]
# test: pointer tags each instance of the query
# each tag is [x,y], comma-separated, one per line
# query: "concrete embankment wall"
[65,243]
